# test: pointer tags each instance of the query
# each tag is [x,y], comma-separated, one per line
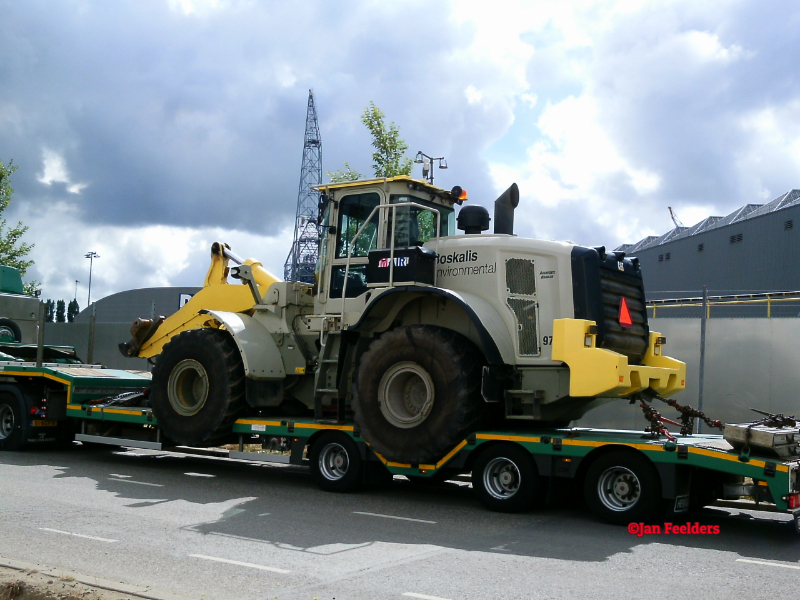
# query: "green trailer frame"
[558,453]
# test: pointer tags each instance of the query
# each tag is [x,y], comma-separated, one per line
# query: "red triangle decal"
[624,314]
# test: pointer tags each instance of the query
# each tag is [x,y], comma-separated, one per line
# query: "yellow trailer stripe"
[507,438]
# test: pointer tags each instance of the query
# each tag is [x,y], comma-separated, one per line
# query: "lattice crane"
[302,258]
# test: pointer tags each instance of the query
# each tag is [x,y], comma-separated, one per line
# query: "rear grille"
[520,276]
[630,341]
[525,311]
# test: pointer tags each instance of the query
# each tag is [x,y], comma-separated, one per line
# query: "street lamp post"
[91,256]
[427,164]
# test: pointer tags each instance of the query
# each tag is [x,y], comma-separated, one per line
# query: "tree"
[12,250]
[60,311]
[389,158]
[49,311]
[72,310]
[342,176]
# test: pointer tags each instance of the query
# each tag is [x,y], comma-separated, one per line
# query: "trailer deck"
[95,399]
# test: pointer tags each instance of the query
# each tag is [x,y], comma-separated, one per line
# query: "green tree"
[49,311]
[60,311]
[388,159]
[72,310]
[13,251]
[344,175]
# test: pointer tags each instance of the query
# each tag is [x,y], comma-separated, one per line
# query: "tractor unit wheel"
[9,331]
[505,479]
[198,387]
[13,425]
[335,462]
[417,393]
[623,487]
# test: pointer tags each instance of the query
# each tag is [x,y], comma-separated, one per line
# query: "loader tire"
[198,388]
[417,393]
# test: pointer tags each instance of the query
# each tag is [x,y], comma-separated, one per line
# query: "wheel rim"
[406,394]
[334,461]
[501,478]
[188,387]
[618,489]
[7,334]
[6,421]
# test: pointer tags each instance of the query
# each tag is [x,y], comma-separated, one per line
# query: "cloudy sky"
[146,129]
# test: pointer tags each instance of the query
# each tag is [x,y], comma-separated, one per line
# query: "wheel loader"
[413,331]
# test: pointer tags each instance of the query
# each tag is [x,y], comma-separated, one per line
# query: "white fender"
[260,355]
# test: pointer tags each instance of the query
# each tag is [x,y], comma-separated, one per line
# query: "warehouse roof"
[748,211]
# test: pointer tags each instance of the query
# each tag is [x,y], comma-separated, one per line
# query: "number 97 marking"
[547,340]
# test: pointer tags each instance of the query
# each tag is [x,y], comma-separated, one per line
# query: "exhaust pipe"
[504,210]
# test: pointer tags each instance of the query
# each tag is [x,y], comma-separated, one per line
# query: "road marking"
[264,515]
[241,564]
[199,475]
[118,475]
[423,596]
[369,514]
[80,535]
[769,564]
[135,482]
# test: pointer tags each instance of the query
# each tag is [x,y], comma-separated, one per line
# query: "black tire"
[198,388]
[9,331]
[622,487]
[505,479]
[336,464]
[417,393]
[13,428]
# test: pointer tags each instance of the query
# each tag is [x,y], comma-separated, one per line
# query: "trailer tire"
[417,393]
[623,487]
[198,388]
[13,427]
[335,462]
[9,331]
[505,479]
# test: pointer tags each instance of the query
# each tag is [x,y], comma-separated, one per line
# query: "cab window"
[353,211]
[415,226]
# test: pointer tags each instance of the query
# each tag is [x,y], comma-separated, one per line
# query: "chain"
[779,420]
[688,415]
[656,420]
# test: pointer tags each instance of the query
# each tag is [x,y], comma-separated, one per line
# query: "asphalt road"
[215,529]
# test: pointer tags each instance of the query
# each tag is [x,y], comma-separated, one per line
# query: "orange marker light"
[624,314]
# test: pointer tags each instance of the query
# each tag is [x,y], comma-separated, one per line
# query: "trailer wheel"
[13,428]
[417,393]
[198,387]
[9,331]
[505,478]
[336,464]
[623,487]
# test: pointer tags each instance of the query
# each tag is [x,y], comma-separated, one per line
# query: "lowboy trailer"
[626,476]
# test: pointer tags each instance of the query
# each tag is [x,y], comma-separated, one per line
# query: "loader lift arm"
[150,336]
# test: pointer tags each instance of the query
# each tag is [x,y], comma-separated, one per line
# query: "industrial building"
[754,249]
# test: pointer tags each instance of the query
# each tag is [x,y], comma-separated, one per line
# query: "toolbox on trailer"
[783,442]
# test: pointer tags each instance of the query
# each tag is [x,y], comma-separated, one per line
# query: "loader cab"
[353,224]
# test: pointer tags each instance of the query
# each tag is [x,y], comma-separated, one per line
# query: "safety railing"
[706,301]
[378,210]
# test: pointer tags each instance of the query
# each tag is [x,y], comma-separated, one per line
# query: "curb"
[141,591]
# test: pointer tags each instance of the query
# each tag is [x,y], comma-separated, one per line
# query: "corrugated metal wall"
[766,258]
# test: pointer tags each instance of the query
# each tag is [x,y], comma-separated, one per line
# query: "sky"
[144,130]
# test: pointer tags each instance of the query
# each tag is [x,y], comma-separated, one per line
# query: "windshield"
[415,226]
